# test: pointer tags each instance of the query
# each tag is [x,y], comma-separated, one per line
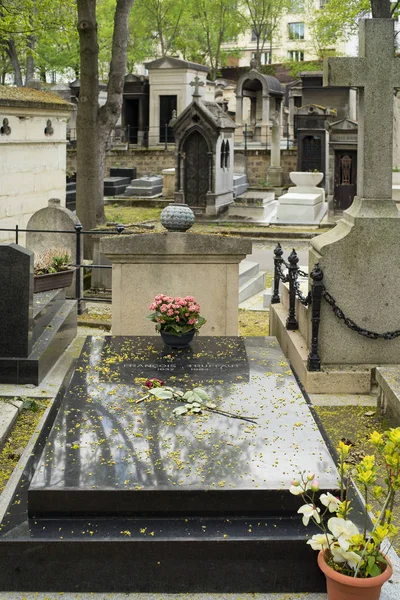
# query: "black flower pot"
[177,341]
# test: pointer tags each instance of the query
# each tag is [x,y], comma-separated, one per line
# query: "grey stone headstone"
[240,164]
[149,185]
[55,218]
[16,301]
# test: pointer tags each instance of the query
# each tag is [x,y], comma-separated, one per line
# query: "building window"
[296,55]
[265,57]
[296,31]
[227,155]
[253,36]
[222,155]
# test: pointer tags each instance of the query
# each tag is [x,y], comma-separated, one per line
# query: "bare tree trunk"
[31,43]
[95,124]
[381,9]
[12,54]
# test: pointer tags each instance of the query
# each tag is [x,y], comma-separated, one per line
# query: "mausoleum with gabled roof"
[204,136]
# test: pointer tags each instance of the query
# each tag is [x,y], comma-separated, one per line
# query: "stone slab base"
[388,380]
[263,212]
[332,378]
[295,214]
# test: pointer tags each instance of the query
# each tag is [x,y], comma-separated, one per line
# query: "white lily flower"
[343,530]
[320,541]
[296,490]
[309,511]
[340,556]
[331,502]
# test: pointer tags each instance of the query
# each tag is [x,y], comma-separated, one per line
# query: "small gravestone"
[240,164]
[116,185]
[16,301]
[55,218]
[240,183]
[123,172]
[146,186]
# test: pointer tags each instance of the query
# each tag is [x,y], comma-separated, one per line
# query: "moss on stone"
[18,439]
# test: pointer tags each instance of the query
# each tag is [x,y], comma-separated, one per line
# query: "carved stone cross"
[376,73]
[196,84]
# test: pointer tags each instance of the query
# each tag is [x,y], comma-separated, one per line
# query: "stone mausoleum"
[204,136]
[32,153]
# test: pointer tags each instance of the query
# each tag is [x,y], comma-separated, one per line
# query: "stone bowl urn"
[303,178]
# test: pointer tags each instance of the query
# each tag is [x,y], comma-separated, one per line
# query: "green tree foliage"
[212,23]
[263,18]
[338,19]
[160,22]
[36,36]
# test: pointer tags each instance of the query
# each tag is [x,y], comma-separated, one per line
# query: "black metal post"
[166,136]
[291,321]
[277,263]
[317,287]
[78,290]
[287,135]
[16,234]
[245,137]
[129,135]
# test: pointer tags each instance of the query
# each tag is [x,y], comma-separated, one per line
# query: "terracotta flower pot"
[343,587]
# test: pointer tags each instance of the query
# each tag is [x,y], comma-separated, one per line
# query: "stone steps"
[54,327]
[251,280]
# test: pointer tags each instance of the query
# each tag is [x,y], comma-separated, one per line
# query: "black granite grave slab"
[129,172]
[109,455]
[204,478]
[54,328]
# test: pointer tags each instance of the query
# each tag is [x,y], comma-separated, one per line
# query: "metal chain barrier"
[284,278]
[305,300]
[373,335]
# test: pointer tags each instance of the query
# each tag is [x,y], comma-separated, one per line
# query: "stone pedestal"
[178,264]
[361,271]
[303,209]
[274,176]
[304,204]
[168,189]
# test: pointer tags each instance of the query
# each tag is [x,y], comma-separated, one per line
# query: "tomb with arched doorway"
[204,157]
[259,115]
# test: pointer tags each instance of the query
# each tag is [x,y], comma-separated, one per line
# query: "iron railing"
[134,137]
[289,272]
[163,137]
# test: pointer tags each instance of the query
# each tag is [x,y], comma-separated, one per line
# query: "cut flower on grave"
[347,549]
[176,315]
[193,402]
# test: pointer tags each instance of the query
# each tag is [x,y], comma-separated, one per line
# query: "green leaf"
[200,321]
[161,393]
[196,409]
[201,393]
[180,410]
[30,405]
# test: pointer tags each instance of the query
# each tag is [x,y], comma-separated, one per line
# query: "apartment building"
[292,39]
